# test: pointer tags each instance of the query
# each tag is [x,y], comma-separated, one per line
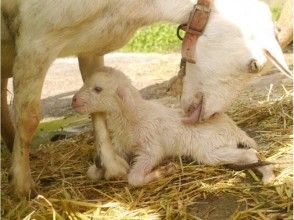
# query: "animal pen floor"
[194,192]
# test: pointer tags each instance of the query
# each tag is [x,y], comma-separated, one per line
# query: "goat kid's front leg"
[112,165]
[115,166]
[29,73]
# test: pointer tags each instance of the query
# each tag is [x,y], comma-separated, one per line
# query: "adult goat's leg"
[7,130]
[114,165]
[29,72]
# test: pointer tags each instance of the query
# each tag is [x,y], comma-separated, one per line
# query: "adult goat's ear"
[278,61]
[273,52]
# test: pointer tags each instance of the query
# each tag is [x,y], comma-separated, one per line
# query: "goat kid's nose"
[75,101]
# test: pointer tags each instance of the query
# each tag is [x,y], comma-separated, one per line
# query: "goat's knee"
[27,119]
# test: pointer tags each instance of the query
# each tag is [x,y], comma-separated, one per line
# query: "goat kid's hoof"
[267,180]
[268,175]
[95,173]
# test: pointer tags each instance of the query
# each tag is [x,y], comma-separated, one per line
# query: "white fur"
[153,132]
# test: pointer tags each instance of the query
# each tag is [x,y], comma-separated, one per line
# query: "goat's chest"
[124,138]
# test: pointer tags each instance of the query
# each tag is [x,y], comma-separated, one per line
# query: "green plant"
[160,37]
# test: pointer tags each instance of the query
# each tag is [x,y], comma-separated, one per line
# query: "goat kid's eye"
[98,89]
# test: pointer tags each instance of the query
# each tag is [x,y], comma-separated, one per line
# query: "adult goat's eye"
[98,89]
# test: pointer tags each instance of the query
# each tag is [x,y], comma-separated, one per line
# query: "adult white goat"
[36,32]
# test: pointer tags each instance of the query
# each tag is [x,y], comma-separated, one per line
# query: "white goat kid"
[153,132]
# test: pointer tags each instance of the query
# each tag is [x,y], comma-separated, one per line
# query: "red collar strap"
[194,29]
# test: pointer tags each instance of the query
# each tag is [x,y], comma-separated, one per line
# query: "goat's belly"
[97,36]
[95,45]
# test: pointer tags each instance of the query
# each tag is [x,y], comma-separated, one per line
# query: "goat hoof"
[95,173]
[28,190]
[268,180]
[25,187]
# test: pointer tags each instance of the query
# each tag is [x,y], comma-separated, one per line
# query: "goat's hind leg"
[230,155]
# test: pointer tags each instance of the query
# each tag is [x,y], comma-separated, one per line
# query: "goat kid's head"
[102,92]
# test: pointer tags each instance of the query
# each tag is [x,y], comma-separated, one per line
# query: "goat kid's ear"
[126,100]
[124,95]
[121,93]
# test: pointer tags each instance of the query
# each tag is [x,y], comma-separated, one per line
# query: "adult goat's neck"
[150,11]
[176,11]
